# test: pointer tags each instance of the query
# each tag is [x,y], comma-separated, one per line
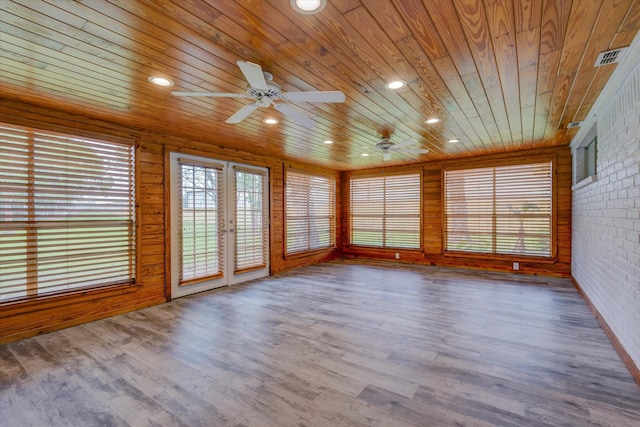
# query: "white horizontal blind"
[252,221]
[201,221]
[385,211]
[499,210]
[67,220]
[310,212]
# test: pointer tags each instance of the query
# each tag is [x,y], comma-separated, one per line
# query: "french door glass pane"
[201,221]
[251,220]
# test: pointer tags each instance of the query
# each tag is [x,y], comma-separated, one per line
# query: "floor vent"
[574,125]
[610,57]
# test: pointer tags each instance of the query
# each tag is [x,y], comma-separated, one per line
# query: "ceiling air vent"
[574,125]
[610,56]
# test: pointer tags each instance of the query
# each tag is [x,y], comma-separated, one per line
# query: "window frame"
[332,217]
[553,243]
[134,202]
[420,220]
[590,158]
[586,159]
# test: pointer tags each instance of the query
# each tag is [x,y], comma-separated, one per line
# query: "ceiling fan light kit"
[266,93]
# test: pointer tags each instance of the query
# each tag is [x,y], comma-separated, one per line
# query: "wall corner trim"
[626,358]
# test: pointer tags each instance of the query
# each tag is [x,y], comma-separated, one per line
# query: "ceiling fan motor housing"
[385,145]
[265,97]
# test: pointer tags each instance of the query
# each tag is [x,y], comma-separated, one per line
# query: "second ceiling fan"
[386,147]
[265,93]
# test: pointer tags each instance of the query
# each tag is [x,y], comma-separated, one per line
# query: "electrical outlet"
[516,266]
[397,255]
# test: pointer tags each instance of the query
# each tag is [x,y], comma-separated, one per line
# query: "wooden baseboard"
[4,339]
[626,358]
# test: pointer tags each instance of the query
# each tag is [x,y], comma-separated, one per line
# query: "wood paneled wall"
[432,240]
[20,320]
[46,314]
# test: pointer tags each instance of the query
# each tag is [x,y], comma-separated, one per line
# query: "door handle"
[231,230]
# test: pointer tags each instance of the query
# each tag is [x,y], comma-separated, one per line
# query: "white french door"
[219,223]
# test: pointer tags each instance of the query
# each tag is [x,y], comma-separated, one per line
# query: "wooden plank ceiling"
[501,75]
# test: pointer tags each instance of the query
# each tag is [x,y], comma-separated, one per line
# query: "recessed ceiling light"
[270,121]
[308,6]
[328,141]
[396,84]
[160,81]
[454,140]
[432,121]
[365,154]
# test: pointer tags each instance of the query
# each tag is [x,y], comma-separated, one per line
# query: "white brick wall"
[606,216]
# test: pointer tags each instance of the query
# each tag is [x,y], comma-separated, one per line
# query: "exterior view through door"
[219,223]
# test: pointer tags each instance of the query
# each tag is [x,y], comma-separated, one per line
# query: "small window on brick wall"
[586,156]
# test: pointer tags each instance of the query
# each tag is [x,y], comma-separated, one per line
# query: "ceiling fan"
[265,92]
[386,147]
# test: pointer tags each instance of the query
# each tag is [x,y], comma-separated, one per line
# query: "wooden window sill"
[305,254]
[501,257]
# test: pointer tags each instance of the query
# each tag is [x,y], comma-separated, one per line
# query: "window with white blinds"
[201,221]
[252,222]
[67,218]
[499,210]
[310,212]
[384,211]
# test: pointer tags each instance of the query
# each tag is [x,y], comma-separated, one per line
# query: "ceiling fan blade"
[213,94]
[386,156]
[403,143]
[412,150]
[242,113]
[295,115]
[254,75]
[315,96]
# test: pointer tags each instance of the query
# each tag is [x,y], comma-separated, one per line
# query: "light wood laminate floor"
[336,344]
